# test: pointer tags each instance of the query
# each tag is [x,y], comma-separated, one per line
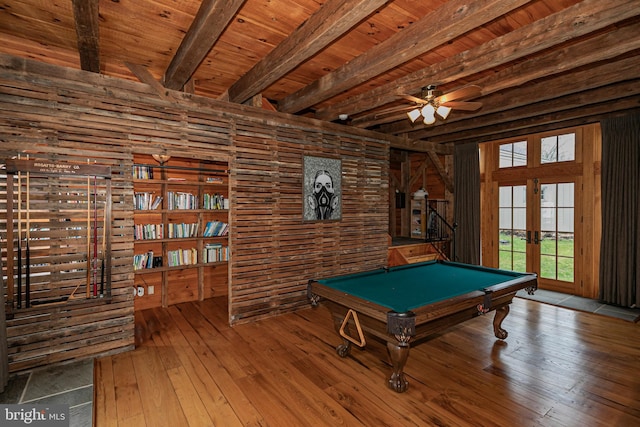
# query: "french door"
[536,230]
[537,181]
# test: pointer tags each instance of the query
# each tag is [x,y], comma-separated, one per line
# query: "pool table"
[410,302]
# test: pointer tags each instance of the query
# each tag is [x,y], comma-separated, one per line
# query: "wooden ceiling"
[540,64]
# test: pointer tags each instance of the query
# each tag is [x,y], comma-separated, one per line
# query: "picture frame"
[322,189]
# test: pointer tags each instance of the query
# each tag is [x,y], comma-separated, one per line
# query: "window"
[558,148]
[513,154]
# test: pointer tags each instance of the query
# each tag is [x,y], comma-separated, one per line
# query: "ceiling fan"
[432,102]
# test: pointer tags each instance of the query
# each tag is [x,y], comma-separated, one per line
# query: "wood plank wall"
[70,115]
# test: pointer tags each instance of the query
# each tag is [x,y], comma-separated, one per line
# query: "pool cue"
[95,235]
[27,287]
[19,299]
[104,235]
[88,236]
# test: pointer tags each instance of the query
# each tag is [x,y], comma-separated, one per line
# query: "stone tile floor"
[66,384]
[582,304]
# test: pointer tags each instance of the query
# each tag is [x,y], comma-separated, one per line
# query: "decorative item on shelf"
[420,194]
[161,158]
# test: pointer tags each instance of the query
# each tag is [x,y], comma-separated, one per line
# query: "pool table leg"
[399,354]
[501,313]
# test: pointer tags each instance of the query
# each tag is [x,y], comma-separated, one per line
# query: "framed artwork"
[322,189]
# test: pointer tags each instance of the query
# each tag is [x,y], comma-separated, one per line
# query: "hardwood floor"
[558,367]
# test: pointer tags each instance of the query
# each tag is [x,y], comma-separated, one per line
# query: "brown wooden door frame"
[584,171]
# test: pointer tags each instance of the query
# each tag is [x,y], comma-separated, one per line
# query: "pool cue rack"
[54,248]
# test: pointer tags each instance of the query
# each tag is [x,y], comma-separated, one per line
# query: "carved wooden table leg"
[501,313]
[399,354]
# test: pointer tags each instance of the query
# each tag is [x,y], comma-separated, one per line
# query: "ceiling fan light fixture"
[428,110]
[443,111]
[413,115]
[429,119]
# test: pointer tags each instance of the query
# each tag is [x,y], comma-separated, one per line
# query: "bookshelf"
[181,226]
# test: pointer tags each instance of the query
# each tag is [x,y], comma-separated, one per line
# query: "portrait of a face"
[322,182]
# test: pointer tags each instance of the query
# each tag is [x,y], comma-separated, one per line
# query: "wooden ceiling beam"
[576,21]
[330,22]
[143,74]
[552,122]
[584,81]
[86,18]
[579,108]
[442,171]
[450,20]
[210,21]
[601,48]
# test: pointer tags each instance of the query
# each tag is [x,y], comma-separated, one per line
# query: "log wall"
[71,116]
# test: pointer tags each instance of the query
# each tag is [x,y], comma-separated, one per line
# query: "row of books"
[142,172]
[146,201]
[182,230]
[211,253]
[216,228]
[144,261]
[215,252]
[146,172]
[181,200]
[182,257]
[149,201]
[213,201]
[148,231]
[179,230]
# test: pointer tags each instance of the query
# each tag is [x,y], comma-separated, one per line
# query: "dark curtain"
[620,247]
[466,201]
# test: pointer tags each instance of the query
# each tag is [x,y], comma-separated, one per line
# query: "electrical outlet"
[151,290]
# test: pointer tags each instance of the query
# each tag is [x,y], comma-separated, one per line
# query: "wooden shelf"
[186,282]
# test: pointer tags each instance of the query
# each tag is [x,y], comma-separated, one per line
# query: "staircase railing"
[439,230]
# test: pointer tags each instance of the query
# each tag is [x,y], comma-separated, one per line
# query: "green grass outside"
[513,257]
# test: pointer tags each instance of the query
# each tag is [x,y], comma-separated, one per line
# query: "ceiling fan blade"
[414,99]
[392,110]
[470,91]
[463,105]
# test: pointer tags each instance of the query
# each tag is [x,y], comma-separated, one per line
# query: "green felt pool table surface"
[405,288]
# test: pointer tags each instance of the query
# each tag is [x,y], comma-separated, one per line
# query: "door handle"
[528,237]
[536,238]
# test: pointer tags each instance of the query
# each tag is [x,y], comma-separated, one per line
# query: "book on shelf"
[216,228]
[181,200]
[142,172]
[215,180]
[215,252]
[146,201]
[180,257]
[145,261]
[148,231]
[182,230]
[213,201]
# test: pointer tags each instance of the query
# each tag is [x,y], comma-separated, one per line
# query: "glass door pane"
[512,229]
[557,234]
